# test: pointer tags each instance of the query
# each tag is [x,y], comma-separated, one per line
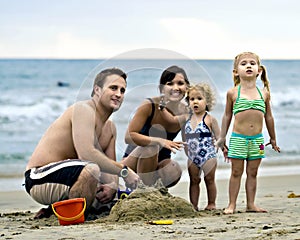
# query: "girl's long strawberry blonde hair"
[263,77]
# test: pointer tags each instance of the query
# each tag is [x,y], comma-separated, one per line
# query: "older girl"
[250,106]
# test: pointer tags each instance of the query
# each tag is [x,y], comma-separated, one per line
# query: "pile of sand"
[149,203]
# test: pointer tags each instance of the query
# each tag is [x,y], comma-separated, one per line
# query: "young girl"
[250,106]
[199,129]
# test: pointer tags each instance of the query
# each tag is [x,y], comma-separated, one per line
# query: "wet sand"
[281,222]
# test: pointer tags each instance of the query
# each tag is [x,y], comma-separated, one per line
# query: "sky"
[197,29]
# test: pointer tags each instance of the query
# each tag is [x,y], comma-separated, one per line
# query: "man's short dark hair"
[101,77]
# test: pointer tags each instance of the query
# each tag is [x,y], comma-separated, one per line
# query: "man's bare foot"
[44,213]
[256,210]
[228,211]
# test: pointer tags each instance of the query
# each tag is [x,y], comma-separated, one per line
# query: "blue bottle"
[124,193]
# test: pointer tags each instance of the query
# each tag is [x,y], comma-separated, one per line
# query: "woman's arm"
[133,135]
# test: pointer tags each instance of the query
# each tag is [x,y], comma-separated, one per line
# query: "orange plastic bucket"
[70,211]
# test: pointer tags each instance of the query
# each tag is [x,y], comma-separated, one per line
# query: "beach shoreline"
[281,222]
[15,182]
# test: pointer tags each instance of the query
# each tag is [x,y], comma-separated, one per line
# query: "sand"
[281,222]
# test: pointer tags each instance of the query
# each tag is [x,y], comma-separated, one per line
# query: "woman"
[150,136]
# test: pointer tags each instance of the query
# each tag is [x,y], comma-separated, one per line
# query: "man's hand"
[105,193]
[132,179]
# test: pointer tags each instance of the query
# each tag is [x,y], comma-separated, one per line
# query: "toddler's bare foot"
[210,207]
[196,209]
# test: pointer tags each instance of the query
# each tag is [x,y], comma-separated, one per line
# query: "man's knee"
[91,171]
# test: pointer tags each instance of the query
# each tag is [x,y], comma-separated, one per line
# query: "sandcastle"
[148,203]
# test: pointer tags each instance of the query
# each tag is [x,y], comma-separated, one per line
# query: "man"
[78,146]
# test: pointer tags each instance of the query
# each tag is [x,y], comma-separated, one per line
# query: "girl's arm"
[184,139]
[167,116]
[215,128]
[269,120]
[226,120]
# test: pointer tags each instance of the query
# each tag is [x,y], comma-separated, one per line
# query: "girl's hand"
[162,103]
[274,145]
[220,144]
[225,154]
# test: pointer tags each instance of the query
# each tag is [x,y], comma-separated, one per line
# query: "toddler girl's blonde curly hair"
[206,90]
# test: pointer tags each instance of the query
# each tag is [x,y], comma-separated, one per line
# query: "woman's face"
[175,90]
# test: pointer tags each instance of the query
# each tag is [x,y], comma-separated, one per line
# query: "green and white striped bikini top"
[242,104]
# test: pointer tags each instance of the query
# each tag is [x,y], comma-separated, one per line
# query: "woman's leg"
[144,161]
[251,183]
[237,169]
[194,190]
[169,171]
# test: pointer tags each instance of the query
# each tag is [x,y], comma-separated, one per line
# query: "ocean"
[34,92]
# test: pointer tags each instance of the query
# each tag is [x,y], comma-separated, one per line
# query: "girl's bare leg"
[237,169]
[251,183]
[209,169]
[194,190]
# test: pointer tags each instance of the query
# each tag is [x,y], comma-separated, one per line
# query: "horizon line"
[136,58]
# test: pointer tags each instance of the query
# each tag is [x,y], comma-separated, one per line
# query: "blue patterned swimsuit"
[200,143]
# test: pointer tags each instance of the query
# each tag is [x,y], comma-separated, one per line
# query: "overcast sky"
[199,29]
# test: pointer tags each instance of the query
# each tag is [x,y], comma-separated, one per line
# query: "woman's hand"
[171,145]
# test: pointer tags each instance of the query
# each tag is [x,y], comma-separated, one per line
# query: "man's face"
[113,92]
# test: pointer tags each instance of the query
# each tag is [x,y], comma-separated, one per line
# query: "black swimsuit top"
[149,130]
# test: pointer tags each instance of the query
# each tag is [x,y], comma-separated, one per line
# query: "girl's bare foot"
[256,210]
[228,211]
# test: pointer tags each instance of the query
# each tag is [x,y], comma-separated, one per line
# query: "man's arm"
[85,139]
[108,182]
